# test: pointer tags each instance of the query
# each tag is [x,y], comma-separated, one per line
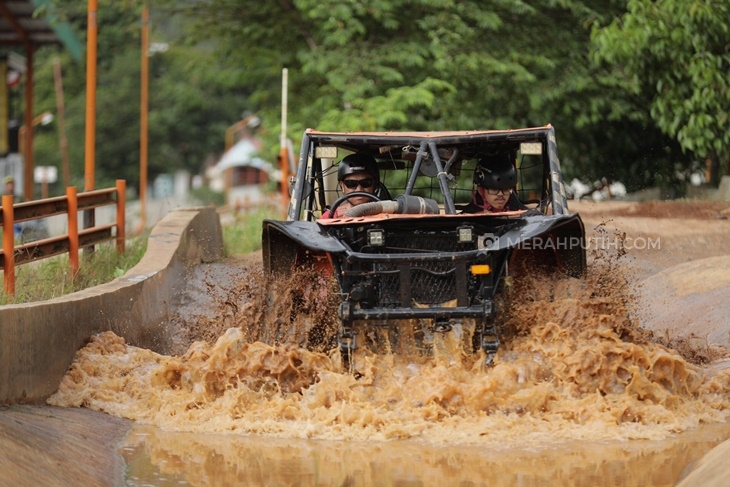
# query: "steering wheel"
[345,197]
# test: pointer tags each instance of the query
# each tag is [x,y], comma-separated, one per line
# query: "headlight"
[465,234]
[376,237]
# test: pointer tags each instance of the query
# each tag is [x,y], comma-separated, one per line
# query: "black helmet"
[356,163]
[495,171]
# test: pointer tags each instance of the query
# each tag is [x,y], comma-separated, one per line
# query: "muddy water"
[578,395]
[161,458]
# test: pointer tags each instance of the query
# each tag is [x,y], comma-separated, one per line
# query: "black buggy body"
[416,255]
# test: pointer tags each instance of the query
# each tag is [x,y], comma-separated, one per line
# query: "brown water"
[160,458]
[578,395]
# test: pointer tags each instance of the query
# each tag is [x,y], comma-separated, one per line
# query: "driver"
[357,173]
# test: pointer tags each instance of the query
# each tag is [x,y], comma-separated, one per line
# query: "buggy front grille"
[426,283]
[416,269]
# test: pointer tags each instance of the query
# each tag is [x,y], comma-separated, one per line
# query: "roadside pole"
[283,146]
[144,107]
[89,162]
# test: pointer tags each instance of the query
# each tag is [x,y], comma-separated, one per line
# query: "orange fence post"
[121,202]
[8,245]
[73,229]
[90,141]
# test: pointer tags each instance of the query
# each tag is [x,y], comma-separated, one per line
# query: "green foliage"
[675,55]
[425,65]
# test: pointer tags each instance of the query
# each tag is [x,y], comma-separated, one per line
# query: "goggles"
[366,183]
[495,191]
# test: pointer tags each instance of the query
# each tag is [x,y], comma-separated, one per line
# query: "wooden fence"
[70,243]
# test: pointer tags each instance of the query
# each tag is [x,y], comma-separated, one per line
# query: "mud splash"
[575,366]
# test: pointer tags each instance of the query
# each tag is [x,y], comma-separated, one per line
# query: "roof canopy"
[243,153]
[19,27]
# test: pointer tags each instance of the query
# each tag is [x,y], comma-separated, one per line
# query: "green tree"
[675,53]
[402,63]
[425,65]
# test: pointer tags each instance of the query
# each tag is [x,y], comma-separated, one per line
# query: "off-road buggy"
[416,257]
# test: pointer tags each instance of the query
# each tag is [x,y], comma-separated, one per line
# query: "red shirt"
[341,210]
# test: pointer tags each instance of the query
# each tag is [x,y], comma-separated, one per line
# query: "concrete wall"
[38,340]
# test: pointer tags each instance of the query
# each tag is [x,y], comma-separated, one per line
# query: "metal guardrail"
[73,241]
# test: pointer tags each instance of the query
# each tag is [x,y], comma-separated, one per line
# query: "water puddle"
[159,458]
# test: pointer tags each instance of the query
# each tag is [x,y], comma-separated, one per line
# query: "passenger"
[495,178]
[357,173]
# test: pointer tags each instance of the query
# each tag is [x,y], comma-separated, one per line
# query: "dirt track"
[685,230]
[679,257]
[686,277]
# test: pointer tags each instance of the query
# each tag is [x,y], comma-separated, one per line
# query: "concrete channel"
[38,340]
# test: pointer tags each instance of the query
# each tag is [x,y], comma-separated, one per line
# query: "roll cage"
[436,165]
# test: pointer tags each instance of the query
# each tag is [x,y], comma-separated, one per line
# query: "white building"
[242,175]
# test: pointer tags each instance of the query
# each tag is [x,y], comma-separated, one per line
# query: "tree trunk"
[712,171]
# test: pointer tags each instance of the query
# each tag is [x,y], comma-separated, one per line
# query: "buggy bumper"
[479,312]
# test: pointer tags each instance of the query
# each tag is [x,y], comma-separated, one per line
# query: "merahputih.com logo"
[491,241]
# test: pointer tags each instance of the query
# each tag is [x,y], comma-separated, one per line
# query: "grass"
[243,234]
[51,278]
